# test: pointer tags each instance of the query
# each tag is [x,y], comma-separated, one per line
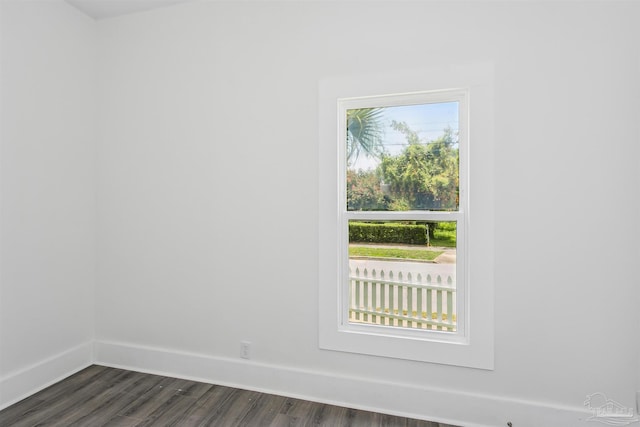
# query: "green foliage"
[411,135]
[364,132]
[395,253]
[363,191]
[425,174]
[441,227]
[399,205]
[446,226]
[443,234]
[367,232]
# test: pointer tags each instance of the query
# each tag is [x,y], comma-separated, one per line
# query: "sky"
[429,120]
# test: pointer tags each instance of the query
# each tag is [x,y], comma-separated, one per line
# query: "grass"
[395,253]
[444,238]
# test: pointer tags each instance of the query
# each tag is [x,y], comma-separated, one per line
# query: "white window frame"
[472,344]
[419,98]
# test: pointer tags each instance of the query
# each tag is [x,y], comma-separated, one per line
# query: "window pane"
[403,158]
[403,274]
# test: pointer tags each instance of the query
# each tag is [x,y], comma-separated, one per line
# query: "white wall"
[48,198]
[207,197]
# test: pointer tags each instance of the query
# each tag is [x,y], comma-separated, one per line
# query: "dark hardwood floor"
[101,396]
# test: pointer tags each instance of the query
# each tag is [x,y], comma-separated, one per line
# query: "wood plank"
[100,396]
[113,400]
[63,402]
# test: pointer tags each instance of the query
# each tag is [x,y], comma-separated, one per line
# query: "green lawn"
[445,236]
[419,254]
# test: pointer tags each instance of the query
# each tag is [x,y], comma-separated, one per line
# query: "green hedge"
[366,232]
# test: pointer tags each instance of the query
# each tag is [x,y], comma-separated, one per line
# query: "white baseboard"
[25,382]
[441,405]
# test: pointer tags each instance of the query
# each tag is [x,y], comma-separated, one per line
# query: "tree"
[364,133]
[364,192]
[425,174]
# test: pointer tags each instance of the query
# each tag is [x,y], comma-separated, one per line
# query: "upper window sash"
[461,96]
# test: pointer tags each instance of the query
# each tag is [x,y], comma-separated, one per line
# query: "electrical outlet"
[245,349]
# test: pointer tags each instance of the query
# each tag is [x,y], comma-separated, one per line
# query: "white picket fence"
[402,300]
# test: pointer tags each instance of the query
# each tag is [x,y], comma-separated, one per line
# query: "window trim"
[474,346]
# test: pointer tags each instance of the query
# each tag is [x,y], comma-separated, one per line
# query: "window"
[398,190]
[402,207]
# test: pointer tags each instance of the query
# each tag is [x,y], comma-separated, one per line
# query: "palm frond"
[364,132]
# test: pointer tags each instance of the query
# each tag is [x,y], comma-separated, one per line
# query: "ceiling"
[102,9]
